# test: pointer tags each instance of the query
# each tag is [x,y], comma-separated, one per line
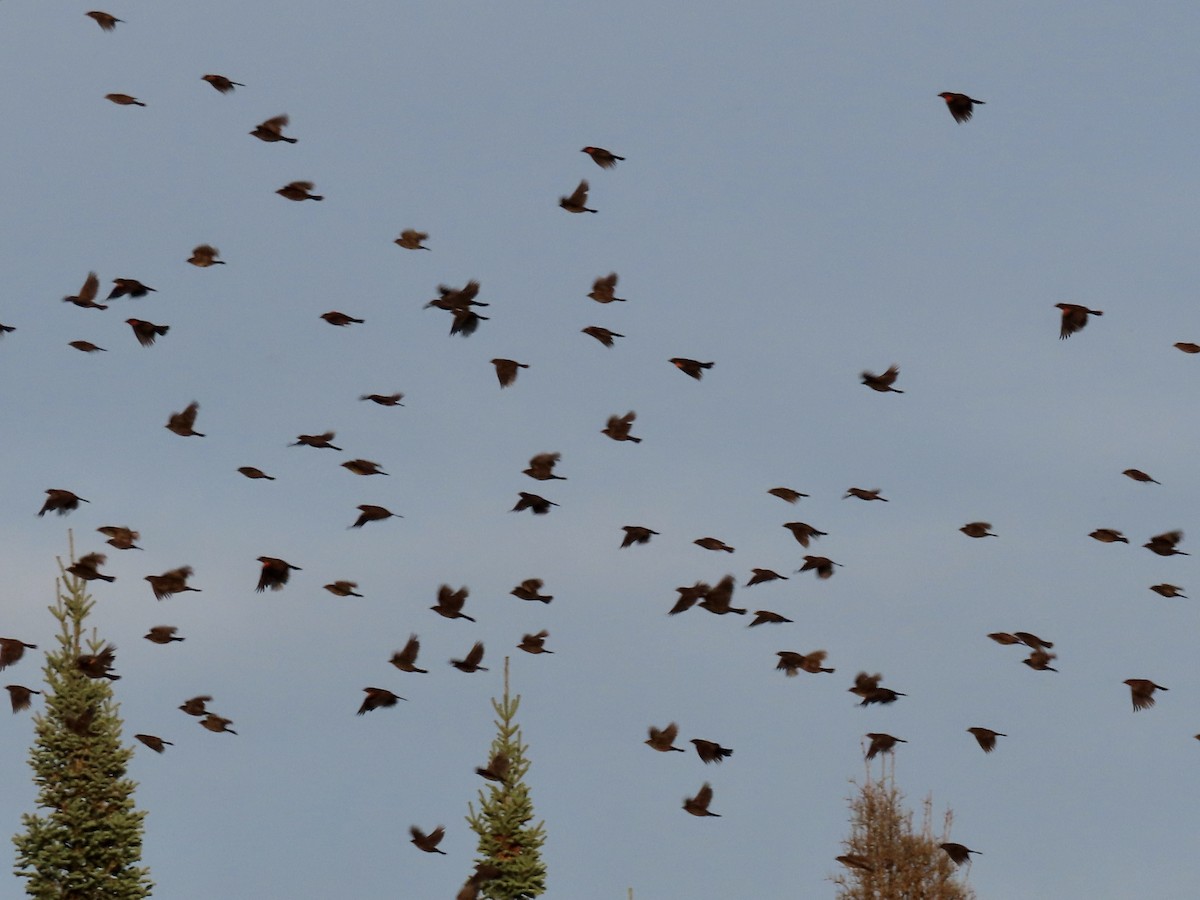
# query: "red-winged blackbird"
[603,288]
[1188,346]
[320,441]
[86,567]
[1168,590]
[363,467]
[602,157]
[986,737]
[155,743]
[466,322]
[766,617]
[181,423]
[450,603]
[252,473]
[450,299]
[205,255]
[618,427]
[1109,536]
[534,643]
[86,346]
[272,130]
[541,467]
[1074,318]
[107,21]
[162,634]
[19,696]
[428,842]
[603,335]
[340,319]
[764,575]
[883,383]
[958,853]
[977,529]
[1032,640]
[406,660]
[377,697]
[170,583]
[882,743]
[663,739]
[384,399]
[531,589]
[11,651]
[786,493]
[411,239]
[98,664]
[1164,544]
[636,534]
[195,706]
[960,105]
[86,298]
[803,532]
[506,370]
[217,724]
[221,83]
[343,588]
[867,687]
[698,805]
[60,501]
[691,367]
[822,565]
[710,751]
[146,332]
[298,190]
[1142,690]
[1139,475]
[496,769]
[576,203]
[793,663]
[369,512]
[120,537]
[864,494]
[274,573]
[471,662]
[712,543]
[718,598]
[124,100]
[539,505]
[128,287]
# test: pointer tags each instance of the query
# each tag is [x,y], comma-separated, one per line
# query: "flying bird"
[698,805]
[384,399]
[1074,318]
[428,842]
[960,105]
[124,100]
[534,643]
[710,751]
[128,287]
[5,329]
[601,157]
[636,534]
[688,597]
[320,441]
[1188,347]
[221,83]
[146,332]
[217,724]
[272,130]
[172,582]
[1168,590]
[98,664]
[883,383]
[1164,544]
[363,467]
[603,289]
[718,598]
[822,565]
[471,662]
[60,501]
[162,634]
[496,768]
[195,706]
[86,298]
[343,588]
[986,737]
[450,603]
[712,543]
[377,697]
[86,346]
[803,532]
[466,322]
[618,427]
[411,239]
[298,190]
[786,493]
[254,473]
[603,335]
[86,568]
[1139,475]
[155,743]
[1003,637]
[854,861]
[977,529]
[11,651]
[763,575]
[340,319]
[1142,691]
[538,505]
[1039,660]
[531,589]
[20,696]
[541,467]
[663,739]
[864,494]
[576,203]
[958,853]
[882,743]
[205,255]
[793,663]
[368,512]
[105,20]
[120,537]
[867,687]
[1032,640]
[406,659]
[1109,536]
[766,617]
[506,370]
[274,574]
[181,423]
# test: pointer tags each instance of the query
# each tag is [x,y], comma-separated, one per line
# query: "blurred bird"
[162,634]
[340,319]
[663,739]
[1168,590]
[120,537]
[4,329]
[506,370]
[146,332]
[428,842]
[11,651]
[221,83]
[718,598]
[691,367]
[786,493]
[882,743]
[1109,536]
[986,737]
[958,853]
[576,202]
[98,664]
[406,659]
[471,662]
[710,751]
[253,473]
[343,588]
[155,743]
[636,534]
[793,663]
[764,575]
[712,543]
[411,239]
[170,583]
[1142,691]
[195,706]
[496,769]
[867,687]
[822,565]
[531,589]
[181,423]
[105,20]
[1188,347]
[60,501]
[20,696]
[363,467]
[377,697]
[541,467]
[977,529]
[466,322]
[698,805]
[298,190]
[603,288]
[384,399]
[1032,640]
[452,299]
[86,298]
[1139,475]
[960,105]
[803,532]
[1039,661]
[86,346]
[864,494]
[274,574]
[128,287]
[450,603]
[688,596]
[766,617]
[1074,318]
[86,567]
[320,441]
[217,724]
[1164,544]
[1003,637]
[618,427]
[534,643]
[124,100]
[602,157]
[854,861]
[603,335]
[369,512]
[883,383]
[205,255]
[81,724]
[539,505]
[272,130]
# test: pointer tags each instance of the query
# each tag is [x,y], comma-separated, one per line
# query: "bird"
[162,634]
[450,603]
[340,319]
[718,598]
[854,861]
[450,299]
[128,287]
[363,467]
[298,190]
[712,543]
[803,532]
[369,512]
[576,202]
[1039,660]
[205,255]
[86,346]
[763,575]
[466,322]
[793,663]
[81,724]
[960,105]
[882,743]
[698,805]
[411,239]
[471,662]
[710,751]
[5,329]
[506,370]
[155,743]
[384,399]
[822,565]
[1168,590]
[601,157]
[958,853]
[618,427]
[342,588]
[867,687]
[882,383]
[1142,691]
[636,534]
[272,130]
[274,574]
[1188,347]
[539,505]
[534,643]
[1032,640]
[86,568]
[221,83]
[146,332]
[217,724]
[1074,318]
[98,664]
[60,501]
[1003,637]
[11,651]
[1139,475]
[120,537]
[603,335]
[541,467]
[766,617]
[172,582]
[531,589]
[320,441]
[496,768]
[20,696]
[786,494]
[124,100]
[977,529]
[864,494]
[406,659]
[603,288]
[663,739]
[986,737]
[1109,536]
[377,697]
[254,473]
[195,706]
[690,367]
[1164,544]
[428,842]
[181,423]
[86,298]
[688,597]
[106,21]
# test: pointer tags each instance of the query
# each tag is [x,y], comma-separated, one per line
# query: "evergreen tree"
[886,858]
[86,841]
[506,839]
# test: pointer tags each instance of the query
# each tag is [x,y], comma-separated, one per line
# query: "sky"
[797,206]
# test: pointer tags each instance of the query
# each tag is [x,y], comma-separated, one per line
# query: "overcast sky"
[797,206]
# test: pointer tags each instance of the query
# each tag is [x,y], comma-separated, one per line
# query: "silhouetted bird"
[603,288]
[883,383]
[60,501]
[471,662]
[466,322]
[854,861]
[698,805]
[272,130]
[822,565]
[977,529]
[221,83]
[181,423]
[1142,691]
[602,157]
[320,441]
[340,319]
[274,574]
[958,853]
[718,598]
[576,203]
[253,473]
[369,512]
[406,659]
[786,493]
[867,687]
[803,532]
[128,287]
[1039,661]
[496,769]
[86,298]
[120,537]
[538,505]
[98,664]
[506,370]
[428,842]
[162,634]
[377,697]
[636,534]
[986,737]
[864,494]
[534,643]
[1109,536]
[689,596]
[217,724]
[1188,347]
[11,651]
[86,567]
[793,663]
[205,255]
[298,190]
[766,617]
[531,589]
[105,20]
[5,329]
[343,588]
[86,346]
[691,367]
[384,399]
[1032,640]
[618,427]
[712,543]
[195,706]
[1003,637]
[710,751]
[1168,590]
[1139,475]
[1074,318]
[411,239]
[146,332]
[452,299]
[763,575]
[882,743]
[663,739]
[603,335]
[960,105]
[363,467]
[450,603]
[1164,544]
[541,467]
[20,696]
[124,100]
[170,583]
[155,743]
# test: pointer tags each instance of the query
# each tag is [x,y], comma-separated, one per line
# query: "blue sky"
[797,206]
